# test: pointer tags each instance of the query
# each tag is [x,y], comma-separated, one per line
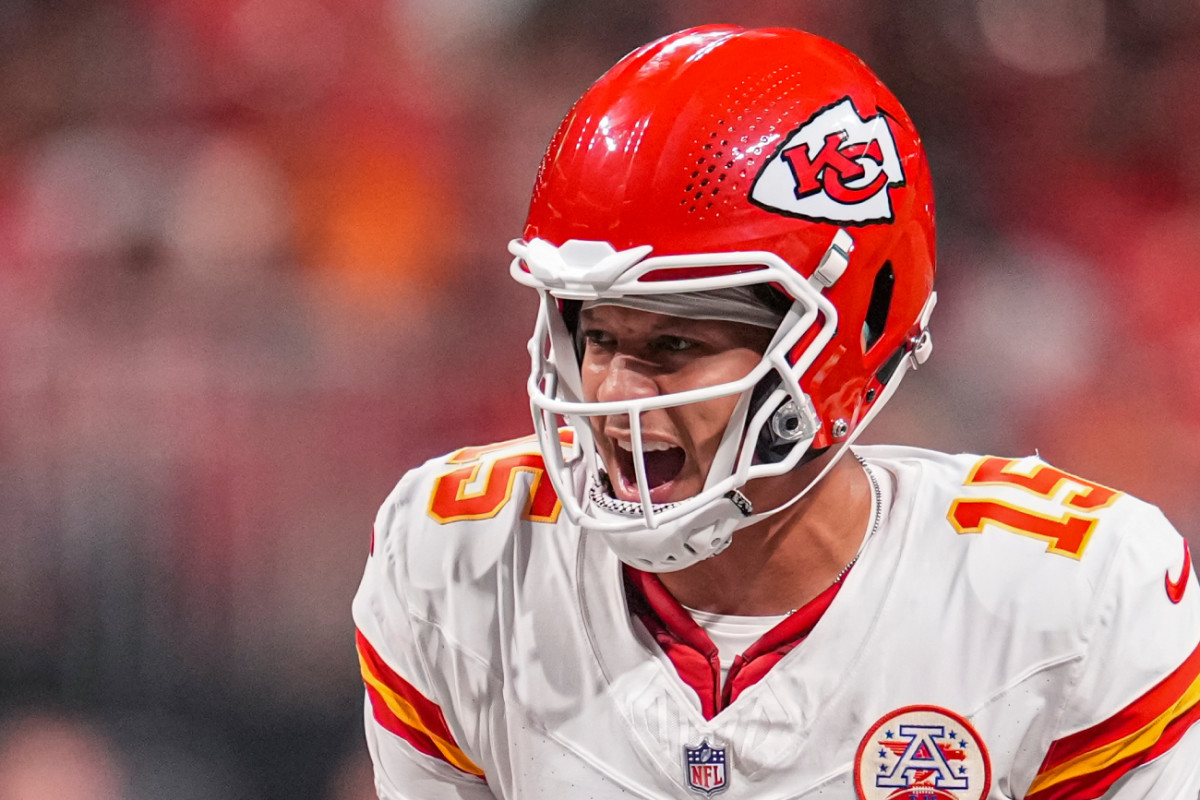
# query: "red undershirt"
[695,656]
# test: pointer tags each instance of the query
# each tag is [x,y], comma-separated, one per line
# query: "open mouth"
[664,463]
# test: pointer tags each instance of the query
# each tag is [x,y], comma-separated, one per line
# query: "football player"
[688,582]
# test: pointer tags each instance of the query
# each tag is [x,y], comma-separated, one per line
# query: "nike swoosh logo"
[1176,588]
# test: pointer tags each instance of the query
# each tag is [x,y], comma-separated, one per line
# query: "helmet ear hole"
[772,297]
[881,303]
[788,424]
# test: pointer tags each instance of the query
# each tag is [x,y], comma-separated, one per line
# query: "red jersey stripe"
[403,710]
[428,711]
[385,717]
[1093,785]
[1078,768]
[1132,718]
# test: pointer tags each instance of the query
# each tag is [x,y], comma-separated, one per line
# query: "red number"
[1044,480]
[1067,535]
[485,483]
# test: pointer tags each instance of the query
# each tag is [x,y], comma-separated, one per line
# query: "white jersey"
[1012,631]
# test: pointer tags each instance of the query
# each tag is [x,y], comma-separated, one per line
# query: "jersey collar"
[693,653]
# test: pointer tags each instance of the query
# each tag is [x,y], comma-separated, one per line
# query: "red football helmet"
[719,157]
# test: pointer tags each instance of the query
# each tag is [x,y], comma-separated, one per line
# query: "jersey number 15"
[1066,534]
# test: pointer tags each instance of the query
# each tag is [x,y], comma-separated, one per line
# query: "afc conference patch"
[922,753]
[705,767]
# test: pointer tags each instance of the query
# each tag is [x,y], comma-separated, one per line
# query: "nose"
[625,378]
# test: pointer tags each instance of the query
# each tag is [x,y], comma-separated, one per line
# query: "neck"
[781,563]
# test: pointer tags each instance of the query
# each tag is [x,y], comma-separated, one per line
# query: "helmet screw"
[840,428]
[870,395]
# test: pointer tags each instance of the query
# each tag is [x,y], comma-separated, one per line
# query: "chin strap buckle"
[741,502]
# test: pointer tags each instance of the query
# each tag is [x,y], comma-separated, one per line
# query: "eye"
[595,337]
[673,344]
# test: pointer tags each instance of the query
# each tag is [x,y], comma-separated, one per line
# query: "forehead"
[633,317]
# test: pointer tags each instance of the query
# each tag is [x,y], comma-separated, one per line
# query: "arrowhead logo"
[836,167]
[1176,588]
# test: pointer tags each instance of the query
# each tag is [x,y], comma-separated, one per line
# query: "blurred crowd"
[253,267]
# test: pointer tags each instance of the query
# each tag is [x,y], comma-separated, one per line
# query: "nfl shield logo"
[705,767]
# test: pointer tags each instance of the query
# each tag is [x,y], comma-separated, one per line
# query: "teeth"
[646,446]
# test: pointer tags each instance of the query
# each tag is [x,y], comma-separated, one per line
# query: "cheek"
[725,367]
[705,423]
[717,414]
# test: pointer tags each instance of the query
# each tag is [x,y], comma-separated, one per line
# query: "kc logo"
[836,167]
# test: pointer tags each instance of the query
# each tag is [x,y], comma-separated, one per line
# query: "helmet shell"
[687,145]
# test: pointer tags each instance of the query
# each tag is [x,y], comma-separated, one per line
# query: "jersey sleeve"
[412,735]
[1127,730]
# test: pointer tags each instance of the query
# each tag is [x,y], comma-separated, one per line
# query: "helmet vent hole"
[740,139]
[881,303]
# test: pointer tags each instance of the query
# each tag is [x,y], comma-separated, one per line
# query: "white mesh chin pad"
[673,546]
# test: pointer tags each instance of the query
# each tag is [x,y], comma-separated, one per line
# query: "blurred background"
[253,267]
